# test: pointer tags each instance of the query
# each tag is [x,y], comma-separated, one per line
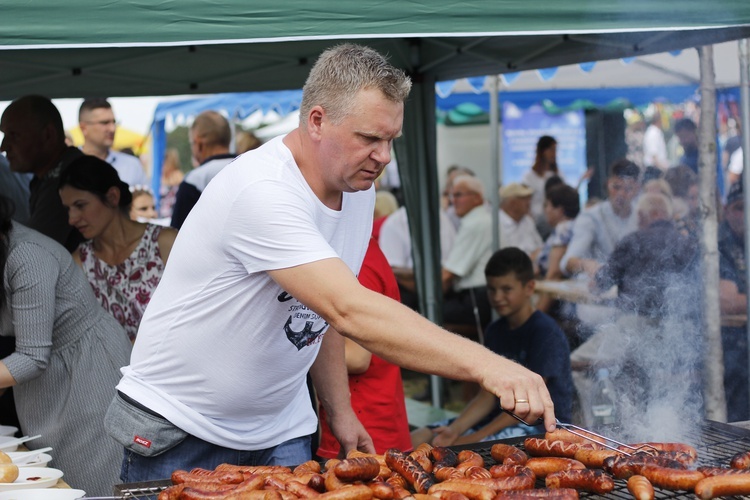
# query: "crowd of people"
[194,336]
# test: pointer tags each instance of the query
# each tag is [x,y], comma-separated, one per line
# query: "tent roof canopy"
[174,47]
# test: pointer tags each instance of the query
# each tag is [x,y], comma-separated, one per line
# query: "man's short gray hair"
[342,71]
[654,206]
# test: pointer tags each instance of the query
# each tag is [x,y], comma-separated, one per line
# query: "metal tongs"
[599,439]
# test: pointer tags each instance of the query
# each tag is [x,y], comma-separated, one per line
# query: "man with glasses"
[466,309]
[98,126]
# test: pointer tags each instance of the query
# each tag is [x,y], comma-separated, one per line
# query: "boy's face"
[507,294]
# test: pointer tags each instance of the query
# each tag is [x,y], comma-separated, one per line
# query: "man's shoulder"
[118,158]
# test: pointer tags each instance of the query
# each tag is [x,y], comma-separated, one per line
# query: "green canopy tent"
[162,47]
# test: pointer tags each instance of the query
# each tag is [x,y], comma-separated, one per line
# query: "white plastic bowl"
[40,461]
[7,439]
[8,430]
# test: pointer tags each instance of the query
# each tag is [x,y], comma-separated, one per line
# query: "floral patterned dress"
[125,290]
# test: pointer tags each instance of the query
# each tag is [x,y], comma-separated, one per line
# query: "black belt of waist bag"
[133,402]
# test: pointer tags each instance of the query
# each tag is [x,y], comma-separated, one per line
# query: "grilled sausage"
[508,455]
[357,469]
[359,454]
[592,458]
[552,494]
[422,455]
[253,469]
[498,471]
[445,457]
[725,485]
[381,490]
[353,492]
[740,461]
[667,447]
[445,473]
[543,448]
[448,495]
[403,464]
[468,458]
[307,467]
[299,489]
[594,481]
[547,465]
[641,488]
[561,434]
[522,482]
[624,467]
[468,489]
[332,481]
[720,471]
[171,493]
[476,472]
[202,475]
[671,479]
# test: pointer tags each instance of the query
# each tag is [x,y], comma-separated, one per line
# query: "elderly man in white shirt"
[517,227]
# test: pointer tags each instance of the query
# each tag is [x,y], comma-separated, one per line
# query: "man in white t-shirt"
[265,263]
[98,126]
[517,227]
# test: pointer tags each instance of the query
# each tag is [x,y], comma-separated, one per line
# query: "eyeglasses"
[104,123]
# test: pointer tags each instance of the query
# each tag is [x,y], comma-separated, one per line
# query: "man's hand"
[444,436]
[521,391]
[351,434]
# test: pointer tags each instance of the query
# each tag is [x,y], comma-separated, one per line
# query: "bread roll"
[5,458]
[8,473]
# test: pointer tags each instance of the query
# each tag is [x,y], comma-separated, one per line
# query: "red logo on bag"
[142,441]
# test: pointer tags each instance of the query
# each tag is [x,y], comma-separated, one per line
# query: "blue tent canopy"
[236,106]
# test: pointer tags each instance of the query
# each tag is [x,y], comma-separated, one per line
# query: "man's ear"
[530,286]
[315,122]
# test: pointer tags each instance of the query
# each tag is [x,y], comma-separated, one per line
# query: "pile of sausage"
[566,462]
[645,466]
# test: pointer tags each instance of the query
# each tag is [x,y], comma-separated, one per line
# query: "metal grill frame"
[716,443]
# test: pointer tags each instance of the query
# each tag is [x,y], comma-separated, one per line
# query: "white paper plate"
[42,494]
[33,478]
[41,460]
[8,430]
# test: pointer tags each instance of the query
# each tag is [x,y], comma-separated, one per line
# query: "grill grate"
[716,444]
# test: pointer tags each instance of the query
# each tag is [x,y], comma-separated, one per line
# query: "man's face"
[98,127]
[621,191]
[508,294]
[356,150]
[518,207]
[23,142]
[464,200]
[688,139]
[734,215]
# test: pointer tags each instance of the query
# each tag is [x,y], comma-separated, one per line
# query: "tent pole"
[495,165]
[744,54]
[713,387]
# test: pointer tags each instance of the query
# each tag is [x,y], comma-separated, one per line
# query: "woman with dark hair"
[544,167]
[123,259]
[67,358]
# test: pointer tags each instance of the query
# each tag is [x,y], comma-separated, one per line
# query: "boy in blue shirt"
[523,334]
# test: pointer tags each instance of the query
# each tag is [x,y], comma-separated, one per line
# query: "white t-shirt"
[472,249]
[129,168]
[521,234]
[537,184]
[395,238]
[654,148]
[223,351]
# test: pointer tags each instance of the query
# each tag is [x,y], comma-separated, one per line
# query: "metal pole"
[744,53]
[495,165]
